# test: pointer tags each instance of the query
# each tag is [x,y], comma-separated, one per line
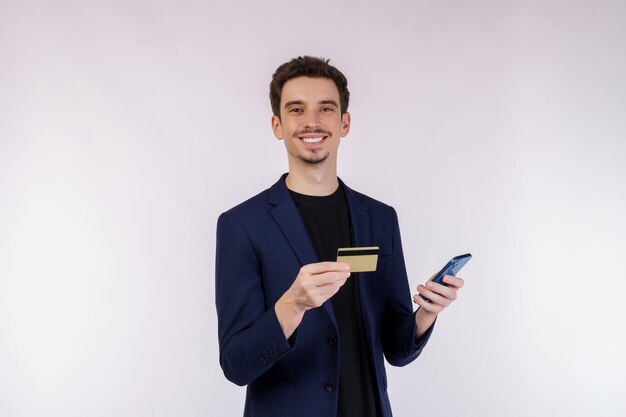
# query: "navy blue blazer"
[261,246]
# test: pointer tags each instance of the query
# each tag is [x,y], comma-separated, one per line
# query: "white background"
[126,127]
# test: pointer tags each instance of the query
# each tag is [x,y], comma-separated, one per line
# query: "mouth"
[313,140]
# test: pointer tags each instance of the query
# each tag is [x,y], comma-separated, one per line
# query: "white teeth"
[313,140]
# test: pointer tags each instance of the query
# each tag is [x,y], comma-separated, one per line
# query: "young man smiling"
[306,336]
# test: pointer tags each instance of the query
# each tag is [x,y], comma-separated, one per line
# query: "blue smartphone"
[452,268]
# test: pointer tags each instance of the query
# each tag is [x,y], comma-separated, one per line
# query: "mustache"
[314,130]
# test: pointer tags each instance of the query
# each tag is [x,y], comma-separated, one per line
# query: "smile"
[313,140]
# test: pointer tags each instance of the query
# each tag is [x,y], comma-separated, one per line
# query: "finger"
[321,267]
[433,296]
[426,305]
[329,277]
[333,283]
[445,291]
[453,281]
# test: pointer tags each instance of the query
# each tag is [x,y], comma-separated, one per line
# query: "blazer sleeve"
[399,341]
[250,337]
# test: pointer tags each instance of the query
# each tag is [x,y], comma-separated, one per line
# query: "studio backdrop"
[493,127]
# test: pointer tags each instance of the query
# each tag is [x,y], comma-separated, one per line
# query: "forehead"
[309,89]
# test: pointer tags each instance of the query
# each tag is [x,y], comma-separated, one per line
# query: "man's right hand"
[314,284]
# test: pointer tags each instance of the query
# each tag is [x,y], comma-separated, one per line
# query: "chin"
[314,160]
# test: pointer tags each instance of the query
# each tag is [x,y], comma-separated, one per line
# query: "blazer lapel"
[288,218]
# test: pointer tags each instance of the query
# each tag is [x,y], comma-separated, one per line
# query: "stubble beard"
[313,160]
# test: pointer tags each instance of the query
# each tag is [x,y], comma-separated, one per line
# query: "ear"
[345,124]
[276,127]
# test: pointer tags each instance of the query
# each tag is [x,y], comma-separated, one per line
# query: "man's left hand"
[440,296]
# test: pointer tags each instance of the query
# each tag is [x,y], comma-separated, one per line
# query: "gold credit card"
[359,259]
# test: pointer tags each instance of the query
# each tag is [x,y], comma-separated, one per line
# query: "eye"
[328,109]
[295,110]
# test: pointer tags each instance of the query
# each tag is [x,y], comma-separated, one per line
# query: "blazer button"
[330,386]
[332,340]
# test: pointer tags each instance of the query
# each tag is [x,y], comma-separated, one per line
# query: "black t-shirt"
[327,221]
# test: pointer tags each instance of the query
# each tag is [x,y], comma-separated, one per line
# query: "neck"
[313,180]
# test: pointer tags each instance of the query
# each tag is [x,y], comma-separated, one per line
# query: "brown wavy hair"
[307,66]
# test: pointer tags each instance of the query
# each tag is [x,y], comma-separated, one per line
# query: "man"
[306,336]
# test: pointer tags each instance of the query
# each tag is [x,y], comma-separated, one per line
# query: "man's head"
[307,66]
[310,102]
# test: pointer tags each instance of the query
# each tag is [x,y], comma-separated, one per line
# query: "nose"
[312,120]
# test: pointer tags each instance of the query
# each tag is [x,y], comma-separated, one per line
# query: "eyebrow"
[292,102]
